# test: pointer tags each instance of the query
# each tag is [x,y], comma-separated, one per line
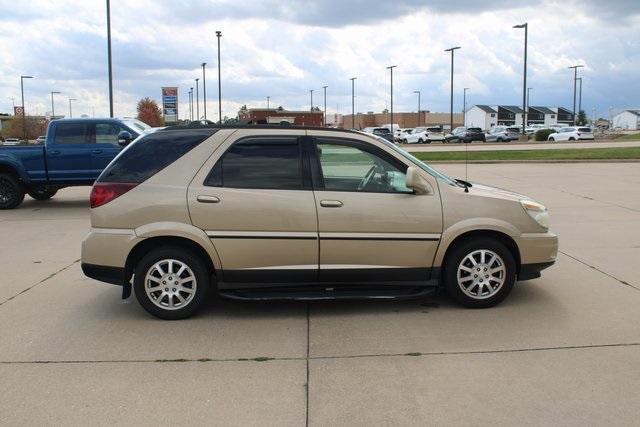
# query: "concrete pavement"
[562,349]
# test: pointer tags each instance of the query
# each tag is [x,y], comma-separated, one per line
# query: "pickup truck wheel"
[42,193]
[171,282]
[479,273]
[11,192]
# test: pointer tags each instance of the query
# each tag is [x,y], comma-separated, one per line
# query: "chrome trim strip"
[263,235]
[380,236]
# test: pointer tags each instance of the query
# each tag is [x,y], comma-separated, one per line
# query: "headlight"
[536,211]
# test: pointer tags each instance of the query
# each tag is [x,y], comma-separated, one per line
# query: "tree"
[149,112]
[581,120]
[14,127]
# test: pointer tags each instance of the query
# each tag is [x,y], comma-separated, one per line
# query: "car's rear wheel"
[11,192]
[171,282]
[572,139]
[552,139]
[420,141]
[479,273]
[42,193]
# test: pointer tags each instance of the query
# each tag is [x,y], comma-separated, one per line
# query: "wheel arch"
[13,169]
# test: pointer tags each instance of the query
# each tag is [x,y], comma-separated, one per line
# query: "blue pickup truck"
[74,153]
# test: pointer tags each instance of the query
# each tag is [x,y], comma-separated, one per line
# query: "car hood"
[498,192]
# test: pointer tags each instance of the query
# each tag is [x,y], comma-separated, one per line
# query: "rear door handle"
[208,199]
[54,152]
[96,151]
[331,203]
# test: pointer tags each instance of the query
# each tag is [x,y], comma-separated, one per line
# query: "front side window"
[261,163]
[107,133]
[73,133]
[347,167]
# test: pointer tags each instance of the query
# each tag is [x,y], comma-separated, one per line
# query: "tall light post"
[70,110]
[53,109]
[580,95]
[24,110]
[191,104]
[324,111]
[197,100]
[218,35]
[418,92]
[390,68]
[524,83]
[353,102]
[452,50]
[529,89]
[268,110]
[464,106]
[109,58]
[204,89]
[311,102]
[575,81]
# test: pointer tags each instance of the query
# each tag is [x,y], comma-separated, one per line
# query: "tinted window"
[475,129]
[107,133]
[152,153]
[266,163]
[584,129]
[73,133]
[351,168]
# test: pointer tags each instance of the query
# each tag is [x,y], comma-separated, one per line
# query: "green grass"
[561,154]
[628,137]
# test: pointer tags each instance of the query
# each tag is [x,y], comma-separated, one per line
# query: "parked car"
[572,133]
[74,153]
[432,134]
[502,134]
[383,133]
[403,132]
[40,139]
[534,128]
[259,213]
[462,134]
[11,141]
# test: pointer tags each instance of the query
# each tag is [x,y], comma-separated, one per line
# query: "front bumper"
[537,252]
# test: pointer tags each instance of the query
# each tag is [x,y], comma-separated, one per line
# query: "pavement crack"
[307,385]
[39,283]
[337,357]
[623,282]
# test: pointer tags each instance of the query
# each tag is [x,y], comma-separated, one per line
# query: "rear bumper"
[104,273]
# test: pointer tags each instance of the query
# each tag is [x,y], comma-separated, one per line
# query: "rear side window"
[73,133]
[152,153]
[584,129]
[262,163]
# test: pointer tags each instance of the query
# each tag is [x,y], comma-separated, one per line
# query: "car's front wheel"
[420,141]
[479,273]
[11,192]
[42,193]
[171,283]
[552,139]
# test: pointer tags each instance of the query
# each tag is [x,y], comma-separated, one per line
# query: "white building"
[627,119]
[481,116]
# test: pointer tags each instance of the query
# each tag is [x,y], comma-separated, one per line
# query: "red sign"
[18,111]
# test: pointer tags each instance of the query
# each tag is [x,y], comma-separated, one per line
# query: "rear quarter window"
[152,153]
[584,129]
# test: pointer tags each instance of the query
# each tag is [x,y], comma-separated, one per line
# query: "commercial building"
[403,120]
[627,119]
[280,115]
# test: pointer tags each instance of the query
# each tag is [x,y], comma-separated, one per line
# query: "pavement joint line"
[307,385]
[623,282]
[313,358]
[52,275]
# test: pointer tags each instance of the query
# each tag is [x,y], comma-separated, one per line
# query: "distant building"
[277,116]
[627,119]
[488,116]
[403,120]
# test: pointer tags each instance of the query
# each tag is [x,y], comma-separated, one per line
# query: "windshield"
[428,169]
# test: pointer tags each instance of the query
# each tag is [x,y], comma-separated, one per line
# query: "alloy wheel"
[481,274]
[170,284]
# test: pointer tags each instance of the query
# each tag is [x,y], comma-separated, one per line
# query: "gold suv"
[264,212]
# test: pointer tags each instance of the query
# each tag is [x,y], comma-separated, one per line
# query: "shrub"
[543,134]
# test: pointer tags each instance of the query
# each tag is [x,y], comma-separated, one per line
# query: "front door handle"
[331,203]
[208,199]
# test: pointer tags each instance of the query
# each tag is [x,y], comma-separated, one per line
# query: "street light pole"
[24,110]
[464,106]
[353,102]
[390,68]
[204,89]
[53,110]
[580,95]
[524,83]
[268,110]
[109,58]
[575,81]
[70,110]
[452,50]
[529,97]
[418,121]
[219,35]
[324,113]
[197,100]
[191,103]
[311,93]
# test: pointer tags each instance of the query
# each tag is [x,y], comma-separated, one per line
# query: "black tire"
[572,139]
[185,256]
[11,192]
[428,141]
[458,254]
[42,193]
[552,140]
[420,141]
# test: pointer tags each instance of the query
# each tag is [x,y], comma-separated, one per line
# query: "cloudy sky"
[282,49]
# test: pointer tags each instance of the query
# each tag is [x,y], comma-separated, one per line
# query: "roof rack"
[198,125]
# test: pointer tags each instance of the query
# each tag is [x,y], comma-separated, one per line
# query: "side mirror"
[124,138]
[416,182]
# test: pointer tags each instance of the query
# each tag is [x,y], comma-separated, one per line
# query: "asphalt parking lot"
[562,349]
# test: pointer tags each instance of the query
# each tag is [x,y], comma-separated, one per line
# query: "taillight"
[104,192]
